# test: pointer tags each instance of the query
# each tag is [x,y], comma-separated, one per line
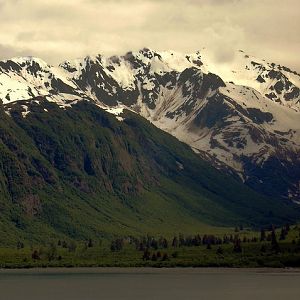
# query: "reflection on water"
[173,284]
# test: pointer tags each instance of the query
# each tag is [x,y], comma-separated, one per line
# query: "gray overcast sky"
[56,30]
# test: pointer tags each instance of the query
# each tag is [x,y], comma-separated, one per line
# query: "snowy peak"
[144,67]
[243,116]
[275,82]
[164,61]
[23,78]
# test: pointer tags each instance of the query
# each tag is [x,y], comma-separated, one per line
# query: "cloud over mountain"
[55,30]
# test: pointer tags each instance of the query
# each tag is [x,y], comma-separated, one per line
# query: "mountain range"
[137,142]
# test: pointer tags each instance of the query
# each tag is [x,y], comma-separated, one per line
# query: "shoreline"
[145,270]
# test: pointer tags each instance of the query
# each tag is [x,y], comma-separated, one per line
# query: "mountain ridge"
[251,132]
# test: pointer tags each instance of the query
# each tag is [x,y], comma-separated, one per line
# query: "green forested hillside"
[80,173]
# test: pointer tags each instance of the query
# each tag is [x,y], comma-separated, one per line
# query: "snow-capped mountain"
[243,117]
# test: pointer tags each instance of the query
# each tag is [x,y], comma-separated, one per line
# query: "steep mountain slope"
[81,173]
[244,119]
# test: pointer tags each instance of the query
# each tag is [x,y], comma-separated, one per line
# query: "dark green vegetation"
[241,248]
[79,173]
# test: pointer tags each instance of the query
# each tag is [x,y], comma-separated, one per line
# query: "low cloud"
[7,51]
[56,30]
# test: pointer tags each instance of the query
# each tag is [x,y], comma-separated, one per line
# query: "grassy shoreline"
[143,270]
[244,249]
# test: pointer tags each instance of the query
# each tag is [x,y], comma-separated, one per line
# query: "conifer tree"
[274,242]
[90,243]
[154,257]
[175,242]
[262,235]
[146,255]
[237,246]
[165,257]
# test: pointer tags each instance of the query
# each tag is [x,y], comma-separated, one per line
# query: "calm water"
[143,284]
